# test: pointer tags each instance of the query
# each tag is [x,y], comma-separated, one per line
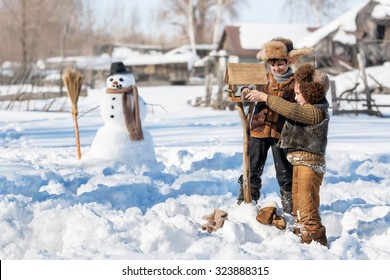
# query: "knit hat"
[282,48]
[313,84]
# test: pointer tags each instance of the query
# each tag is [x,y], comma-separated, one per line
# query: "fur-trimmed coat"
[265,121]
[305,133]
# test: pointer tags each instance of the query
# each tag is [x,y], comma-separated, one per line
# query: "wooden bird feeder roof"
[241,74]
[245,74]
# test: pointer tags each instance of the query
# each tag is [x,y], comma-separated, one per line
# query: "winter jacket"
[266,122]
[305,132]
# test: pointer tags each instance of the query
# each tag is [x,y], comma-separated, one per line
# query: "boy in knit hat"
[304,136]
[266,124]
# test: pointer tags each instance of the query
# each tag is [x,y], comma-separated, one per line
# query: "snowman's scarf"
[130,114]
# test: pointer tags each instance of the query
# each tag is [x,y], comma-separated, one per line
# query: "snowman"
[121,137]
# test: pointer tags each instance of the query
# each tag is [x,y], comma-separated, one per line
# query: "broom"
[73,82]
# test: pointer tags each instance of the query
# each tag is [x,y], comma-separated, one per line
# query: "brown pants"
[306,201]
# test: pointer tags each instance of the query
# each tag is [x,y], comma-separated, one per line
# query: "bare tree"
[194,17]
[228,7]
[36,28]
[17,27]
[317,10]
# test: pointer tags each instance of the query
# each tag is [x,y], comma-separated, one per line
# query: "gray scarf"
[285,76]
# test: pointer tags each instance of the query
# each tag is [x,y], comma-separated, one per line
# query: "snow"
[54,206]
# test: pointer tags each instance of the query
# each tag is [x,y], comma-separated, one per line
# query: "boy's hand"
[246,91]
[256,95]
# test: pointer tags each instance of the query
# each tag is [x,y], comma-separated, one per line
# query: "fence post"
[335,104]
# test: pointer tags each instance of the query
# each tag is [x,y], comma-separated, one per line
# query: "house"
[242,42]
[364,29]
[94,68]
[174,67]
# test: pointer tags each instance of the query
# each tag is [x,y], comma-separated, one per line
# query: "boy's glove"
[267,216]
[215,220]
[279,222]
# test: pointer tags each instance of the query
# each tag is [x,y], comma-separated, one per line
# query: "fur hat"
[313,84]
[282,48]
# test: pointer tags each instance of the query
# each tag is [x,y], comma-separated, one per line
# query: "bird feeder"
[239,75]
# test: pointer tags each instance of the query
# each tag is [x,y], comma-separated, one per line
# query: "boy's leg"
[307,199]
[294,192]
[283,170]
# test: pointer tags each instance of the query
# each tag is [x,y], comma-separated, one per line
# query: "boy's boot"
[255,189]
[287,201]
[318,235]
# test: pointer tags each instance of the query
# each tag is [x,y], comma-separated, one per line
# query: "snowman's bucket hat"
[118,68]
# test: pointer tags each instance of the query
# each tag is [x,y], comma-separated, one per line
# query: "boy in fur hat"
[266,124]
[304,136]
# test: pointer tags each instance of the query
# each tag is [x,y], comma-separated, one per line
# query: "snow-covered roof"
[253,36]
[382,10]
[343,25]
[182,54]
[82,62]
[129,57]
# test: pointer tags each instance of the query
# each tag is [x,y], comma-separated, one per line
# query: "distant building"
[365,29]
[176,66]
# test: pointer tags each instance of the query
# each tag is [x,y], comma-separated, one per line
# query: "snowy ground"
[54,206]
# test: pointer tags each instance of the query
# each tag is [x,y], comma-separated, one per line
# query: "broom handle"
[76,128]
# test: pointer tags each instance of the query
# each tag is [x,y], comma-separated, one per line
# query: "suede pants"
[306,202]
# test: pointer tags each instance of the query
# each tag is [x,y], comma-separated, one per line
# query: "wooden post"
[362,68]
[245,121]
[239,74]
[335,104]
[209,89]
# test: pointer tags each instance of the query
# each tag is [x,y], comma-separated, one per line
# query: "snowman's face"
[123,80]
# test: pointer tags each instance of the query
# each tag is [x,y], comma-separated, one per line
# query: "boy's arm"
[307,113]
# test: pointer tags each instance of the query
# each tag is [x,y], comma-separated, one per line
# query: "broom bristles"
[73,82]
